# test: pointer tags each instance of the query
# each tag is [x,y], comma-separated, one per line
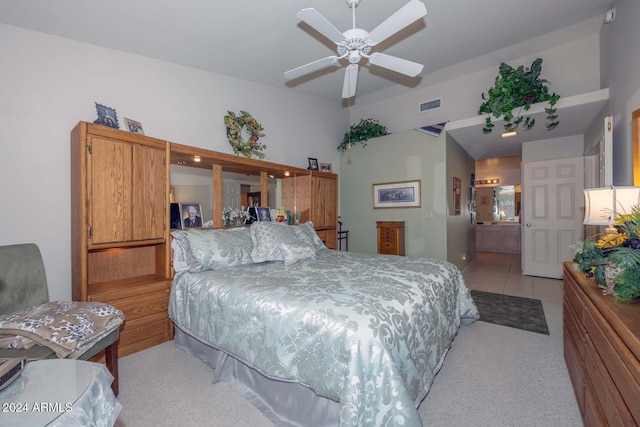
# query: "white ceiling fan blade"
[406,15]
[396,64]
[321,25]
[312,66]
[350,81]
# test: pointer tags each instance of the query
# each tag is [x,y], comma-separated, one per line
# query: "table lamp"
[604,205]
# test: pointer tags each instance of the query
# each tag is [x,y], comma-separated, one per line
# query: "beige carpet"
[492,376]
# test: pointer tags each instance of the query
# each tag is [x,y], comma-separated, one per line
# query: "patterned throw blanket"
[68,328]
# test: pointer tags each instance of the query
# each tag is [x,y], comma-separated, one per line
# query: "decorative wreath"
[235,124]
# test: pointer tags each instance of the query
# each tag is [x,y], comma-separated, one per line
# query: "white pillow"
[307,234]
[179,261]
[214,249]
[294,252]
[267,237]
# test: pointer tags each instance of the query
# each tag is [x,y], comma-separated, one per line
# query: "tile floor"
[502,273]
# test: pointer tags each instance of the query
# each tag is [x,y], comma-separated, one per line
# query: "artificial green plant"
[518,88]
[362,132]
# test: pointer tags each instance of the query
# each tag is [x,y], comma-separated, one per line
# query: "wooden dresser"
[390,237]
[602,352]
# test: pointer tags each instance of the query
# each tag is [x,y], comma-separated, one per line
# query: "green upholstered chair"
[23,284]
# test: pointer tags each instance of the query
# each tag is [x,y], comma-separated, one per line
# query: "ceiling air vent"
[430,105]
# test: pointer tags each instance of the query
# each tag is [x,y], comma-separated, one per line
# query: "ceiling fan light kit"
[356,43]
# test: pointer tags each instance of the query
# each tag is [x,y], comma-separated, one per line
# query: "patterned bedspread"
[369,331]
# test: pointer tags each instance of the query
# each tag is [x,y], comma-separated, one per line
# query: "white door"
[553,207]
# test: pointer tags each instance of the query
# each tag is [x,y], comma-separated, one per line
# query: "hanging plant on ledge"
[235,125]
[518,88]
[362,132]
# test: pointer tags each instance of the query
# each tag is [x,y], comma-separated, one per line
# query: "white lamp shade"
[604,205]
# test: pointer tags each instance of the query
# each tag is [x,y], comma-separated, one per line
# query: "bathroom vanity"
[499,236]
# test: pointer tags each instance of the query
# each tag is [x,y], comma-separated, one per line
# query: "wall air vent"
[433,130]
[430,105]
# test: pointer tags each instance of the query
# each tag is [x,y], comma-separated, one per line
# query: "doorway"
[553,207]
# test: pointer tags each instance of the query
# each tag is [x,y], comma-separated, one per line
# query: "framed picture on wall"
[191,214]
[402,194]
[457,193]
[472,199]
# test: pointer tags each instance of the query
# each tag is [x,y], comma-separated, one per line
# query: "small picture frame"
[402,194]
[252,215]
[313,164]
[133,126]
[264,214]
[176,221]
[107,116]
[191,215]
[457,192]
[325,167]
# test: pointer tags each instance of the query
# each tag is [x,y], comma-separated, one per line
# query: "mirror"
[193,185]
[507,203]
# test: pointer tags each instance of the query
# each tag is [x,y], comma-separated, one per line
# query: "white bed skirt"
[283,403]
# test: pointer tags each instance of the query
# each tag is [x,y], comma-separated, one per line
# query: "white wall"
[506,169]
[50,83]
[572,68]
[620,70]
[553,148]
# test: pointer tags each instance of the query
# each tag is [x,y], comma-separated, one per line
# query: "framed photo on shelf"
[402,194]
[191,215]
[325,167]
[313,164]
[176,222]
[133,126]
[107,116]
[264,214]
[252,215]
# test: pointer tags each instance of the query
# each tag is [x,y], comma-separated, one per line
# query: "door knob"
[528,224]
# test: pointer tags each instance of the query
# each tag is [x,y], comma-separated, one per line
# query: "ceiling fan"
[356,43]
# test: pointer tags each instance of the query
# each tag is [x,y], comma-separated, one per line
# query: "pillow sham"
[179,258]
[307,234]
[214,249]
[267,237]
[294,252]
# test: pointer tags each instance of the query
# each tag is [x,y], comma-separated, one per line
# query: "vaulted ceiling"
[258,40]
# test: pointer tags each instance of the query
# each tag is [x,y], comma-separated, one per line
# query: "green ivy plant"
[627,285]
[362,132]
[518,88]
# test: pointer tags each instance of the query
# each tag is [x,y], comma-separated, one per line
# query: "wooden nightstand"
[390,237]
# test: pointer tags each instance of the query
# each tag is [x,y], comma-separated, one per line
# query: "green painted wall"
[405,156]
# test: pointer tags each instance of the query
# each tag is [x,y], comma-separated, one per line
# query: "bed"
[313,336]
